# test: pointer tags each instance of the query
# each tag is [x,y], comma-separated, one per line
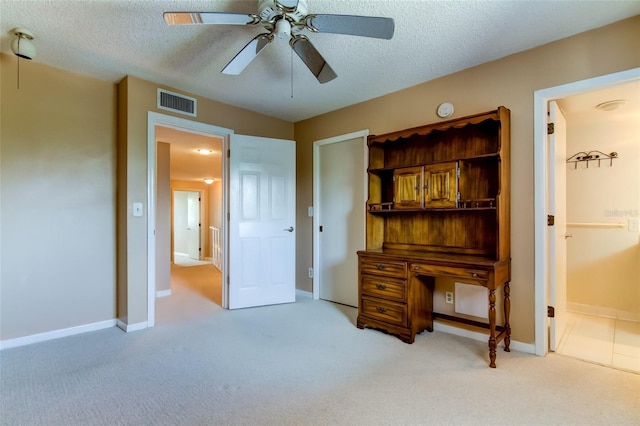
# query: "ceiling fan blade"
[247,54]
[312,59]
[188,18]
[364,26]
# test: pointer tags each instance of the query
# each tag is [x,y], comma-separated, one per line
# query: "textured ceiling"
[109,39]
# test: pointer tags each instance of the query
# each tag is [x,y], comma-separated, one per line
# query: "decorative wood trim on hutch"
[438,206]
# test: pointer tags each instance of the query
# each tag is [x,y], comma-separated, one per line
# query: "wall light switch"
[310,211]
[137,209]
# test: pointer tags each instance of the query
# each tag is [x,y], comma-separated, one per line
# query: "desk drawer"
[384,310]
[462,273]
[387,288]
[383,267]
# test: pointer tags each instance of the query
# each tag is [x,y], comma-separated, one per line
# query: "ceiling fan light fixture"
[22,45]
[283,29]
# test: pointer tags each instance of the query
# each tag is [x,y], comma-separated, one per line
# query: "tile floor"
[605,341]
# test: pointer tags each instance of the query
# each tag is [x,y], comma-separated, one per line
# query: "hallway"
[205,281]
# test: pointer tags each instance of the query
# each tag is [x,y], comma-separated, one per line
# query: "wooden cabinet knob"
[381,286]
[380,309]
[381,267]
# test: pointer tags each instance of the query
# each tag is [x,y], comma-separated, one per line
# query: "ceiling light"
[611,105]
[205,151]
[209,181]
[22,45]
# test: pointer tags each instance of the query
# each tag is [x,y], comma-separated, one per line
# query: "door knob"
[290,229]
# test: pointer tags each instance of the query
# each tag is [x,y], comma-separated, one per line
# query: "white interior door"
[341,218]
[558,232]
[261,221]
[193,225]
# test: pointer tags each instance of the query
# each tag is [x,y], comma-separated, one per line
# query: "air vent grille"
[177,103]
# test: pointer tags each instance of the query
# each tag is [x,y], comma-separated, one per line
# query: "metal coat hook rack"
[586,157]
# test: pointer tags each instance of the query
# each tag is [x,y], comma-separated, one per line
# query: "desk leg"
[507,312]
[492,328]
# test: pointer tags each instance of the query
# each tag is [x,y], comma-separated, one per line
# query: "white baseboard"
[131,327]
[163,293]
[303,293]
[55,334]
[482,337]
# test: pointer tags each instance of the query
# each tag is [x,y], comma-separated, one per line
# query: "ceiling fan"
[287,19]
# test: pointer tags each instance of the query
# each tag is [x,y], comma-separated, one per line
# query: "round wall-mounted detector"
[445,110]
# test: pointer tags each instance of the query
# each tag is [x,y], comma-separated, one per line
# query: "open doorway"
[189,205]
[339,193]
[603,203]
[602,200]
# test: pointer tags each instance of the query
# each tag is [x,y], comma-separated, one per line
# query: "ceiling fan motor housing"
[269,10]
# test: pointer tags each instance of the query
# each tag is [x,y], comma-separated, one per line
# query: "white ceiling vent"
[177,103]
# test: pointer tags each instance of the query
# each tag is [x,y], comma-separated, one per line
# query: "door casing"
[156,119]
[541,241]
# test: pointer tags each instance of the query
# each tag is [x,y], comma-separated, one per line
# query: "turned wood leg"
[492,328]
[507,312]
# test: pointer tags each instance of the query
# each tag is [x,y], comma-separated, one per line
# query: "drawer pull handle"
[474,275]
[381,267]
[381,286]
[381,310]
[416,268]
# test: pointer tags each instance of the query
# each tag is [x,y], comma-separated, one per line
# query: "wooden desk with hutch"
[438,206]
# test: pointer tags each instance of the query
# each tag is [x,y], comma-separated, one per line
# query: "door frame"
[541,242]
[316,196]
[156,119]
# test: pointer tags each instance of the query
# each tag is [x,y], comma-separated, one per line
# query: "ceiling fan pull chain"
[291,50]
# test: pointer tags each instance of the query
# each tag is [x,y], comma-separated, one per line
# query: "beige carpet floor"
[303,363]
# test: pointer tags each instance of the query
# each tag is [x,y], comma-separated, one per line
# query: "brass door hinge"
[551,312]
[551,220]
[551,128]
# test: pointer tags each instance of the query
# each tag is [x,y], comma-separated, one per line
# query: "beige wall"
[163,216]
[511,82]
[58,198]
[137,97]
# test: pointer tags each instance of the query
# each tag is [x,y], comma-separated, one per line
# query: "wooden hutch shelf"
[439,200]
